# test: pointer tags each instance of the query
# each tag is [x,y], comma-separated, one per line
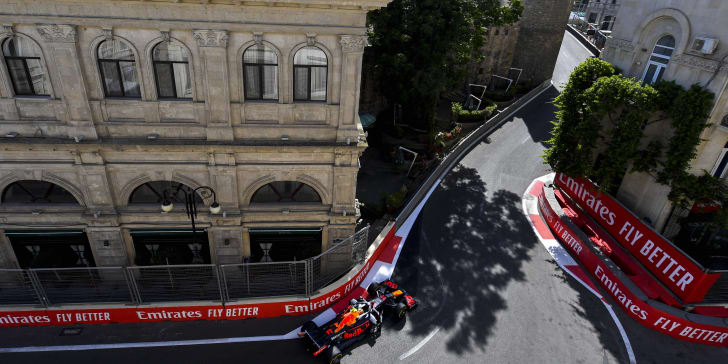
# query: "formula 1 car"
[361,318]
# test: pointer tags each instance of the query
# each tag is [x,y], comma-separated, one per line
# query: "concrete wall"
[100,149]
[638,27]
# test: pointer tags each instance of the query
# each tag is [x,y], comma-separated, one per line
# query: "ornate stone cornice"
[211,38]
[697,62]
[353,43]
[7,29]
[57,32]
[623,44]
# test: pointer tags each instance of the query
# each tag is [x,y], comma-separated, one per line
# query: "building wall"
[638,27]
[100,149]
[531,44]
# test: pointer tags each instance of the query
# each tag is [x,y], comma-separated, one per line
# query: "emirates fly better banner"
[675,270]
[639,310]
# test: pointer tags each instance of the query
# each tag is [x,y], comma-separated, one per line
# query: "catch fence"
[199,282]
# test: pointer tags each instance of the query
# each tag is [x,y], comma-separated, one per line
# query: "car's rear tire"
[372,289]
[335,355]
[400,311]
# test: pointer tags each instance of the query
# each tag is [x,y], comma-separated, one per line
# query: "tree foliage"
[420,48]
[604,113]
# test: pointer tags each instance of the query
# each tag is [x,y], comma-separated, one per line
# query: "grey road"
[488,290]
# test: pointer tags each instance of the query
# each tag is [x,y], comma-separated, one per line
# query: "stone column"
[227,244]
[213,49]
[346,168]
[352,47]
[92,174]
[7,255]
[108,246]
[246,243]
[72,86]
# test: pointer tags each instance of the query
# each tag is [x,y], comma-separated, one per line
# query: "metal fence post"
[133,286]
[38,288]
[306,280]
[220,287]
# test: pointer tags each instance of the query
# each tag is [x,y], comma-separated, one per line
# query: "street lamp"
[191,203]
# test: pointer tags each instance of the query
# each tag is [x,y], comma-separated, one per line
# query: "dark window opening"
[285,192]
[36,192]
[27,75]
[172,71]
[260,73]
[310,69]
[154,193]
[51,250]
[118,70]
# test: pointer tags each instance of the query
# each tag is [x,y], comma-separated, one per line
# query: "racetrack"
[488,291]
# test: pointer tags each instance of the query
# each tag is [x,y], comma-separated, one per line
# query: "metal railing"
[591,32]
[165,283]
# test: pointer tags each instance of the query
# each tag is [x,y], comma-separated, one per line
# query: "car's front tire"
[372,289]
[310,325]
[400,311]
[335,355]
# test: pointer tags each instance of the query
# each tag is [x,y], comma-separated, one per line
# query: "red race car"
[361,319]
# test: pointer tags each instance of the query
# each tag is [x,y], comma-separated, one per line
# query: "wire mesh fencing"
[338,260]
[166,283]
[269,279]
[83,285]
[17,287]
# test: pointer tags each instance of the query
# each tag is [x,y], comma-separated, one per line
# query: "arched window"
[26,72]
[154,193]
[118,69]
[260,72]
[36,192]
[285,192]
[721,165]
[172,71]
[309,74]
[659,59]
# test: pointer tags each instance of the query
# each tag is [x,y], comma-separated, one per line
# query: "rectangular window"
[111,76]
[165,80]
[318,83]
[182,80]
[20,77]
[722,166]
[300,79]
[129,79]
[270,82]
[252,86]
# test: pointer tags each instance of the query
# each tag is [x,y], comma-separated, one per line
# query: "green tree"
[601,111]
[420,48]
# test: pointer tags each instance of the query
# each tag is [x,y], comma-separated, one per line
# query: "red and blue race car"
[362,318]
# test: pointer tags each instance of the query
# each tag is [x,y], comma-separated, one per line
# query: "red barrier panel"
[672,267]
[639,310]
[189,313]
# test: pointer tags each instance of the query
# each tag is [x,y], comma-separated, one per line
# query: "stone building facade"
[664,39]
[531,44]
[105,103]
[603,13]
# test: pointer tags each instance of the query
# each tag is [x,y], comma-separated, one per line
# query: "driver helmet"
[352,302]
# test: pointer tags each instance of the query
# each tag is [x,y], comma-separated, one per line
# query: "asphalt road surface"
[488,290]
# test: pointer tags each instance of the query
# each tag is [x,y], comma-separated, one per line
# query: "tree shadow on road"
[470,248]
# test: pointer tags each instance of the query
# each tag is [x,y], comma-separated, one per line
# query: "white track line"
[419,345]
[529,204]
[150,344]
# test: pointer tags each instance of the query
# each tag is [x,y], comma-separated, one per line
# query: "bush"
[394,201]
[465,116]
